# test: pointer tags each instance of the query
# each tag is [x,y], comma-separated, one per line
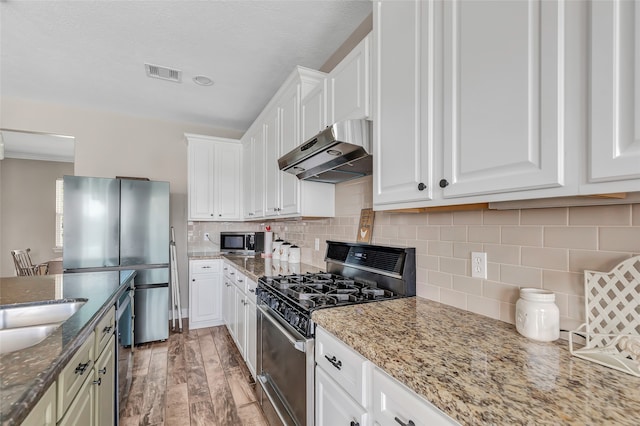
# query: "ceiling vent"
[163,73]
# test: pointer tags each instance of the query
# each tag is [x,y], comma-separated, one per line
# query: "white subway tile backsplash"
[453,233]
[454,298]
[546,248]
[572,237]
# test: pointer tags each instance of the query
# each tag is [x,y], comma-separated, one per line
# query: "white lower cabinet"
[342,383]
[44,413]
[205,293]
[334,406]
[239,312]
[394,404]
[350,390]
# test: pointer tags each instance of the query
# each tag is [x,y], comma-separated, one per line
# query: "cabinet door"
[81,410]
[227,168]
[259,179]
[241,321]
[289,139]
[252,338]
[334,406]
[44,413]
[271,154]
[248,180]
[205,304]
[349,85]
[404,71]
[394,403]
[232,323]
[105,386]
[503,96]
[201,159]
[615,91]
[313,116]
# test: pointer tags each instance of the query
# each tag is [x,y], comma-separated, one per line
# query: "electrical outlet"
[206,236]
[479,265]
[317,244]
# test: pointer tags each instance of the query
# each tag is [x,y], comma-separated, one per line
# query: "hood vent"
[163,73]
[340,152]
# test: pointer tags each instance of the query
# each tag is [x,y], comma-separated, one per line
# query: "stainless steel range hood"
[340,152]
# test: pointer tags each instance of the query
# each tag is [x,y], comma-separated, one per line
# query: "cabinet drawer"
[104,330]
[74,374]
[251,289]
[241,281]
[208,266]
[343,364]
[229,271]
[81,410]
[393,402]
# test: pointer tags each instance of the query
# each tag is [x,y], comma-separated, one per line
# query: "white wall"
[28,215]
[110,144]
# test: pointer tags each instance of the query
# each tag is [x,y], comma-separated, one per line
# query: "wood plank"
[241,390]
[129,421]
[196,377]
[221,394]
[141,359]
[153,402]
[176,364]
[136,395]
[251,415]
[177,405]
[226,348]
[202,414]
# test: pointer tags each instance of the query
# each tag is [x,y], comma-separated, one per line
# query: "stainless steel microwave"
[242,242]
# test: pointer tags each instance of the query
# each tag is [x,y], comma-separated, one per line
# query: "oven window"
[234,242]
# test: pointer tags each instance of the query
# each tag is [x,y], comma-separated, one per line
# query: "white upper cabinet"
[271,154]
[503,97]
[614,145]
[349,85]
[313,112]
[277,131]
[214,170]
[492,73]
[290,138]
[403,116]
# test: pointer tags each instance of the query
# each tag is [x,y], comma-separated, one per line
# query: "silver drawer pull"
[353,423]
[107,329]
[98,382]
[334,361]
[252,290]
[239,280]
[81,368]
[103,371]
[409,423]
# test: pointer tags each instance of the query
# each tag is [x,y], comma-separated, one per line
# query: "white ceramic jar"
[537,316]
[276,248]
[284,252]
[294,254]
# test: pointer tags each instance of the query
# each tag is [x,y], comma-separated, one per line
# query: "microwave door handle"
[298,344]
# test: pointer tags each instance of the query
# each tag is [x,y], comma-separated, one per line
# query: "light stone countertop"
[257,266]
[480,371]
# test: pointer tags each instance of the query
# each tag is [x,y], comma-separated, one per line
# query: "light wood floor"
[194,378]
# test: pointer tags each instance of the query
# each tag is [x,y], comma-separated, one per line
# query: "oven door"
[285,371]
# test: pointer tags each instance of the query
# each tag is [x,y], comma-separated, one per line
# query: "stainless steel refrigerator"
[120,224]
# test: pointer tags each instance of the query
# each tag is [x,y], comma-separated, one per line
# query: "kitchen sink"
[22,326]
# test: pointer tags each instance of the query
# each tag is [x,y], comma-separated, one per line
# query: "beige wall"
[544,248]
[109,144]
[28,193]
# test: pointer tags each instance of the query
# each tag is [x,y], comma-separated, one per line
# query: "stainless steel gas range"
[355,273]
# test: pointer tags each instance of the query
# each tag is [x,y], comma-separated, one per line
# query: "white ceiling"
[92,53]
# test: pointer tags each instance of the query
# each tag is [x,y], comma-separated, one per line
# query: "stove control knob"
[295,319]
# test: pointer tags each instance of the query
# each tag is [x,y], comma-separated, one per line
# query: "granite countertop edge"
[478,370]
[22,406]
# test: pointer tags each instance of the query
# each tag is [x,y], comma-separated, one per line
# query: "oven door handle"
[298,344]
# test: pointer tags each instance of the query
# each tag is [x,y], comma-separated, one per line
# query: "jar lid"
[537,295]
